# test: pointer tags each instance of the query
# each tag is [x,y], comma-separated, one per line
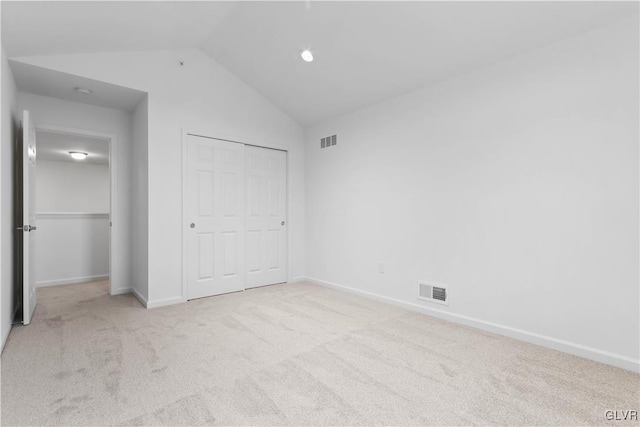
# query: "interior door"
[266,237]
[27,163]
[215,217]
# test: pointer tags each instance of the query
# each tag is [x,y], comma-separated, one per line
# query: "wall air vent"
[328,141]
[433,292]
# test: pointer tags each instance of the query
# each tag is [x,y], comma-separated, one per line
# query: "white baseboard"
[142,299]
[297,279]
[121,291]
[70,280]
[164,302]
[5,337]
[157,303]
[591,353]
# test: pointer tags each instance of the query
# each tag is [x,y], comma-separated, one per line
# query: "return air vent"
[329,141]
[432,292]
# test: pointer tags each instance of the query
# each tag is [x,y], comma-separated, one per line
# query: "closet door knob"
[193,225]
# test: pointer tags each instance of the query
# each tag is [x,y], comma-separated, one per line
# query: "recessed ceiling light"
[306,55]
[84,91]
[77,155]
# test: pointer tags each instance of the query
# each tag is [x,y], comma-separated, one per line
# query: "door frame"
[113,217]
[289,185]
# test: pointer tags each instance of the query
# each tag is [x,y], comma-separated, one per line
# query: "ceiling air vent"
[432,292]
[328,141]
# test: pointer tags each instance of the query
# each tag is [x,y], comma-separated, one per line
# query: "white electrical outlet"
[381,267]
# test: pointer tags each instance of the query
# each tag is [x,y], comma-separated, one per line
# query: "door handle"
[282,223]
[192,225]
[27,228]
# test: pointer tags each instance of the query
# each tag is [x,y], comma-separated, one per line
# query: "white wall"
[516,186]
[72,200]
[140,201]
[72,187]
[199,97]
[72,248]
[56,112]
[9,129]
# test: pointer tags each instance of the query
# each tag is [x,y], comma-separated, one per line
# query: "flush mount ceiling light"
[306,55]
[77,155]
[83,91]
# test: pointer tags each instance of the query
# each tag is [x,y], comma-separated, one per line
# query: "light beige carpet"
[294,354]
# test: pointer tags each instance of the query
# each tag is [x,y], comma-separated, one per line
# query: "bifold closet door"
[215,217]
[266,222]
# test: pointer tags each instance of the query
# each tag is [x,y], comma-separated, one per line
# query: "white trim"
[185,136]
[591,353]
[164,302]
[297,279]
[142,299]
[5,337]
[114,267]
[121,291]
[71,280]
[289,196]
[290,217]
[65,215]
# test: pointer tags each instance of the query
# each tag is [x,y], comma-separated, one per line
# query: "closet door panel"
[266,175]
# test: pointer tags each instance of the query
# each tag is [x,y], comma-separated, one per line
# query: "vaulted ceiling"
[365,52]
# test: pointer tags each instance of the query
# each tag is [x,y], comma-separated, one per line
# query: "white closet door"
[215,217]
[266,237]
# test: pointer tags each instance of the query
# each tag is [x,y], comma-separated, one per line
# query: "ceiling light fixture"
[77,155]
[83,91]
[306,55]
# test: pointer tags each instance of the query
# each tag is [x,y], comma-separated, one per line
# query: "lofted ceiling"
[57,27]
[365,52]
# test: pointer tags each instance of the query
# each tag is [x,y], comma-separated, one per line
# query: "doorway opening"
[74,204]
